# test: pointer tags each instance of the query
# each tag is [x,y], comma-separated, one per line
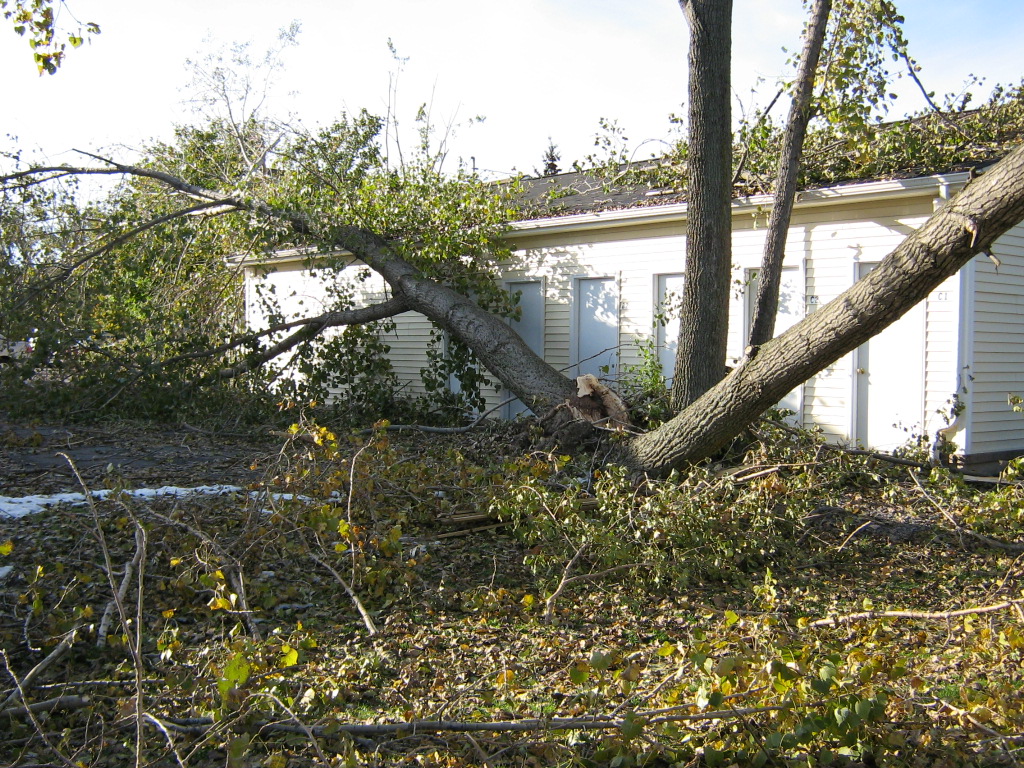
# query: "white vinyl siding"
[972,335]
[631,255]
[409,342]
[942,331]
[998,366]
[836,240]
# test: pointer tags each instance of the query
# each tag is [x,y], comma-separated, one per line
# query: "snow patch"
[19,506]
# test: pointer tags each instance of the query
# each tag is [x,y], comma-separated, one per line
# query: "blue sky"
[533,69]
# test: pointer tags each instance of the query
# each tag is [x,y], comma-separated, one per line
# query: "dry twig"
[928,615]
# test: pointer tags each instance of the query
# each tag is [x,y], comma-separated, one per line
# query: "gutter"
[940,185]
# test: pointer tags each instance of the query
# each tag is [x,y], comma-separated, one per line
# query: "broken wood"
[928,615]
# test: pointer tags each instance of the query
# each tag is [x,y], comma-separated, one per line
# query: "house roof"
[934,144]
[579,192]
[592,190]
[665,211]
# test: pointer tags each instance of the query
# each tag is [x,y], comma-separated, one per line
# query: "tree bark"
[498,347]
[766,306]
[700,354]
[965,226]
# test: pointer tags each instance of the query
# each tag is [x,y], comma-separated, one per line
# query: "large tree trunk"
[766,307]
[700,355]
[965,226]
[499,348]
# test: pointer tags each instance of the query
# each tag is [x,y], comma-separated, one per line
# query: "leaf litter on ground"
[686,602]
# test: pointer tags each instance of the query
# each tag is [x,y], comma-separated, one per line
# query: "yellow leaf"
[289,656]
[631,673]
[175,561]
[168,614]
[7,547]
[982,714]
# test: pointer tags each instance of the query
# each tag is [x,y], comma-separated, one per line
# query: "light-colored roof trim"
[278,258]
[813,198]
[943,185]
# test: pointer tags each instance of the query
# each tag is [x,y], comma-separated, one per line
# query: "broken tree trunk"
[965,226]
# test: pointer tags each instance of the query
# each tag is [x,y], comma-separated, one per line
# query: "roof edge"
[811,198]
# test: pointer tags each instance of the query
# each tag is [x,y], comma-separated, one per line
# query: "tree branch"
[310,328]
[762,326]
[865,615]
[199,726]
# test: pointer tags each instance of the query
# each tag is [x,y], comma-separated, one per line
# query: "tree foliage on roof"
[954,138]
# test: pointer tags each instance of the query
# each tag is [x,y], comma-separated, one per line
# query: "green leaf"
[236,672]
[846,718]
[601,661]
[237,748]
[632,725]
[579,672]
[289,657]
[725,665]
[821,686]
[731,617]
[712,757]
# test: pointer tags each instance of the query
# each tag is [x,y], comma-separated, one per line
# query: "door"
[889,381]
[669,290]
[790,312]
[530,326]
[595,336]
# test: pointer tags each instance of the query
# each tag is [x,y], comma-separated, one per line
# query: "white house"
[594,278]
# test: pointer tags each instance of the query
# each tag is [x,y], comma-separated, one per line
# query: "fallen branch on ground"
[199,726]
[363,613]
[867,615]
[122,594]
[567,580]
[1004,545]
[50,705]
[58,652]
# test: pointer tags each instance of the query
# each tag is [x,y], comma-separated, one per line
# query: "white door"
[790,312]
[530,326]
[889,381]
[669,290]
[595,343]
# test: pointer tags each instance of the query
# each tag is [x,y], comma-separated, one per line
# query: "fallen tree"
[965,227]
[429,241]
